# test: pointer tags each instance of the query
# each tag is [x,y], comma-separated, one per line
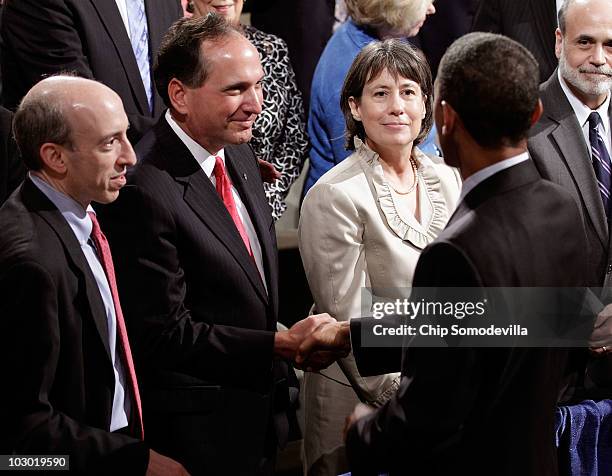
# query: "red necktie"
[224,189]
[104,253]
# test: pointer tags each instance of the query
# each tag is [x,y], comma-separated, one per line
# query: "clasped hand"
[314,343]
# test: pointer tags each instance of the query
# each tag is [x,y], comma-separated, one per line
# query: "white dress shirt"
[583,112]
[80,223]
[206,160]
[470,183]
[122,6]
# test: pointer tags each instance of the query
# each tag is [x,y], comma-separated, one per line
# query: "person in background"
[369,20]
[110,41]
[306,26]
[530,22]
[63,340]
[365,222]
[279,133]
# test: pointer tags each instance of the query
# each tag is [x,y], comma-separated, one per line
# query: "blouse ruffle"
[428,180]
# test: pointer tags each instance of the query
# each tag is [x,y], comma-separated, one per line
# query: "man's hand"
[269,173]
[360,411]
[160,465]
[329,341]
[600,341]
[286,343]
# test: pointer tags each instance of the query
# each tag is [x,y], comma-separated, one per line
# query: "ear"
[537,112]
[177,92]
[424,111]
[53,157]
[449,118]
[354,105]
[558,43]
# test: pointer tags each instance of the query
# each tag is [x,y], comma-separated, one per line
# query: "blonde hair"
[397,15]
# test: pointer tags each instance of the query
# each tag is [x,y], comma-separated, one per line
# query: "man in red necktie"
[196,261]
[70,385]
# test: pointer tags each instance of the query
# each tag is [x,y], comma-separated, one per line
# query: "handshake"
[314,343]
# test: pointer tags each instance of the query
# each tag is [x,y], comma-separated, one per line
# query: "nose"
[128,156]
[254,100]
[396,104]
[599,55]
[430,9]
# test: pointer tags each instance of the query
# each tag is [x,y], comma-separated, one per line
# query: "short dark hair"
[39,119]
[180,53]
[400,59]
[491,81]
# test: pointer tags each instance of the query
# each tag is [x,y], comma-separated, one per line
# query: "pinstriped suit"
[42,37]
[202,323]
[530,22]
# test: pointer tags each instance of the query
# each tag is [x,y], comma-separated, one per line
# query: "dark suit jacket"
[530,22]
[12,169]
[42,37]
[214,397]
[453,18]
[305,25]
[562,156]
[477,410]
[58,377]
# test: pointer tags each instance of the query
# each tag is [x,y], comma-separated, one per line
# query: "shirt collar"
[583,112]
[73,212]
[199,153]
[470,183]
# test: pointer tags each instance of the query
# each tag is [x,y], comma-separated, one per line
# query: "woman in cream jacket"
[364,224]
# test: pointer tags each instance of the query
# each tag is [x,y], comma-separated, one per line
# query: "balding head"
[583,46]
[72,133]
[46,113]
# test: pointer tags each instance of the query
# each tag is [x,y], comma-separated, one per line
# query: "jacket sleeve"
[418,419]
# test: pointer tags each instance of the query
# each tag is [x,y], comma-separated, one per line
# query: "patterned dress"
[279,133]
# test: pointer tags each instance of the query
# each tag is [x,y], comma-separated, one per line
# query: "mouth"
[223,8]
[119,179]
[604,74]
[396,125]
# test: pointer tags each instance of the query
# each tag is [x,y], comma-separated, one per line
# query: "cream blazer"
[354,236]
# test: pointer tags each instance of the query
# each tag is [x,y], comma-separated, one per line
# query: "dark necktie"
[106,259]
[224,189]
[601,162]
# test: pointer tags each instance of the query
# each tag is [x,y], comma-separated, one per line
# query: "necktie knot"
[594,120]
[219,169]
[96,231]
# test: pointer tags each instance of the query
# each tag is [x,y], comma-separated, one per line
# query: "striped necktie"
[601,161]
[139,36]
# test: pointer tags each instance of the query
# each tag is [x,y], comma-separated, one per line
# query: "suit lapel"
[111,18]
[575,153]
[249,187]
[203,199]
[74,253]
